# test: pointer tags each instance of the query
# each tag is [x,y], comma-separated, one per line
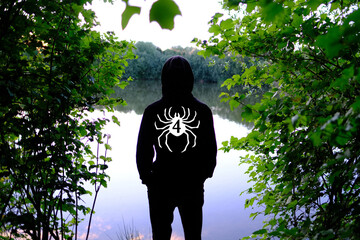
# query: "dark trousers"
[162,204]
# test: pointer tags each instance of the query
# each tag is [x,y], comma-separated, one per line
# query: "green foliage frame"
[304,149]
[54,70]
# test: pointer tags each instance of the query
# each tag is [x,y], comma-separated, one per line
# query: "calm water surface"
[124,201]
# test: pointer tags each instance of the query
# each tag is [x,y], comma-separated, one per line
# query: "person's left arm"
[210,146]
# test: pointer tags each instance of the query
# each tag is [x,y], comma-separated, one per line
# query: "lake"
[123,204]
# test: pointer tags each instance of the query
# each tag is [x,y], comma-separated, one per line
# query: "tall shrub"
[304,150]
[54,68]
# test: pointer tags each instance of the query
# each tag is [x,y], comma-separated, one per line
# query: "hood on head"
[177,78]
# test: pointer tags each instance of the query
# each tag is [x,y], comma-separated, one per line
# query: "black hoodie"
[178,131]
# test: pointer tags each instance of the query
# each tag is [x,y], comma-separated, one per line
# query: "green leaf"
[87,14]
[104,167]
[261,231]
[292,204]
[128,13]
[233,104]
[356,104]
[164,12]
[123,84]
[249,115]
[107,146]
[227,24]
[344,81]
[103,183]
[115,120]
[330,42]
[268,95]
[341,140]
[249,202]
[314,4]
[297,20]
[250,6]
[215,29]
[316,138]
[353,17]
[82,131]
[216,17]
[272,12]
[273,222]
[233,4]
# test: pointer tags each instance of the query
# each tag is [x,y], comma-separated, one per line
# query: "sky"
[192,23]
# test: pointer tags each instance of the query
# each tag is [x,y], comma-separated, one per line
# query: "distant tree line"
[151,58]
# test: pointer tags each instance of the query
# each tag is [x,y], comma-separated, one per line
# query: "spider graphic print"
[177,124]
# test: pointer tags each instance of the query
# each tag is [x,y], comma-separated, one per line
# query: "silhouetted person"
[176,152]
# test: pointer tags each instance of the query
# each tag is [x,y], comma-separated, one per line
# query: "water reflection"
[125,199]
[139,94]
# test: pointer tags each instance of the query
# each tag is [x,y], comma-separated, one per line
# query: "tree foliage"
[150,60]
[304,149]
[54,69]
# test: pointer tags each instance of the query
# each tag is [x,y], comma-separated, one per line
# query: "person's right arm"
[145,149]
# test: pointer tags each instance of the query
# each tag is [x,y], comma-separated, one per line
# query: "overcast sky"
[192,23]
